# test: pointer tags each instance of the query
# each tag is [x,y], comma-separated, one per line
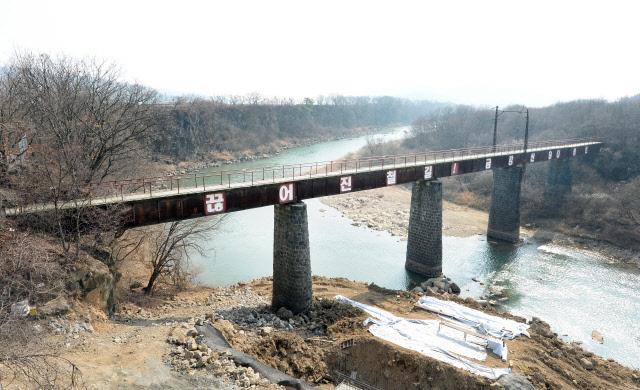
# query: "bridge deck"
[162,188]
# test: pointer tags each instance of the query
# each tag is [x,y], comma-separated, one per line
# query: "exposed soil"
[138,349]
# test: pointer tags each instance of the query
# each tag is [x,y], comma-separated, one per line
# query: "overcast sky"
[477,52]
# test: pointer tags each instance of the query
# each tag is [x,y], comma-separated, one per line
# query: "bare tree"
[171,246]
[83,126]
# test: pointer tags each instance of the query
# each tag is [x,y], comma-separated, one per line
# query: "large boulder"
[96,282]
[54,307]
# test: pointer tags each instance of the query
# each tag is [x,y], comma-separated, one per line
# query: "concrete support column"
[424,244]
[504,214]
[558,186]
[291,258]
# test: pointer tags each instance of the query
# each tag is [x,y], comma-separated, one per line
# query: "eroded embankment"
[331,338]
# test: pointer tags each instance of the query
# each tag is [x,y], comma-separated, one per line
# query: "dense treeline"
[604,203]
[193,127]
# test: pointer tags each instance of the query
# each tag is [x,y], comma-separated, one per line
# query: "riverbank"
[218,159]
[142,347]
[387,209]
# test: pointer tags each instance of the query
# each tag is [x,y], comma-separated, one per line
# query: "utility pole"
[526,130]
[495,130]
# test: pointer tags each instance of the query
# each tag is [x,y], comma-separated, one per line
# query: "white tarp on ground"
[483,323]
[428,338]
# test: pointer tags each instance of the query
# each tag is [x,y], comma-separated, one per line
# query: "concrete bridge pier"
[424,244]
[504,213]
[291,258]
[558,186]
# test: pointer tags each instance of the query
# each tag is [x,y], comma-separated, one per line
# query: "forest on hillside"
[604,203]
[194,127]
[80,115]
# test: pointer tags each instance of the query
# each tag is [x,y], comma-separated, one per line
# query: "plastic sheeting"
[428,338]
[483,323]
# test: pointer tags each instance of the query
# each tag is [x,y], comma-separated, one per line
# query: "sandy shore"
[388,209]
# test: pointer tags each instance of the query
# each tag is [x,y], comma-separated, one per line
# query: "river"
[574,290]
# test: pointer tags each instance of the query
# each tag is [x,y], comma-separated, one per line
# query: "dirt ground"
[133,351]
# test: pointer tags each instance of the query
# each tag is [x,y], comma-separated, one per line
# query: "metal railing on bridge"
[155,186]
[112,192]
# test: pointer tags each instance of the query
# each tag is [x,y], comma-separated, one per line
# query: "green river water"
[574,290]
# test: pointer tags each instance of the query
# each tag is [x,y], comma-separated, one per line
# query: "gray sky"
[478,52]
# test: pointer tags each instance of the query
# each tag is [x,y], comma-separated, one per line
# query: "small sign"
[533,157]
[487,164]
[574,152]
[455,168]
[286,193]
[428,172]
[586,149]
[510,163]
[558,153]
[391,178]
[550,155]
[215,203]
[345,184]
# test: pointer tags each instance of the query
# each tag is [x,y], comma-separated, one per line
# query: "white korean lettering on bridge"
[533,157]
[391,178]
[586,149]
[428,172]
[345,184]
[558,153]
[550,155]
[455,168]
[286,193]
[575,150]
[487,164]
[215,203]
[510,160]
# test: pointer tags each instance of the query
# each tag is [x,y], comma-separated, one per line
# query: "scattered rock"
[587,364]
[192,345]
[542,328]
[597,336]
[135,285]
[21,309]
[54,307]
[418,289]
[284,313]
[266,330]
[515,382]
[440,285]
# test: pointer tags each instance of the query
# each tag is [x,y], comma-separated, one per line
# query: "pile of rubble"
[438,285]
[190,352]
[262,319]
